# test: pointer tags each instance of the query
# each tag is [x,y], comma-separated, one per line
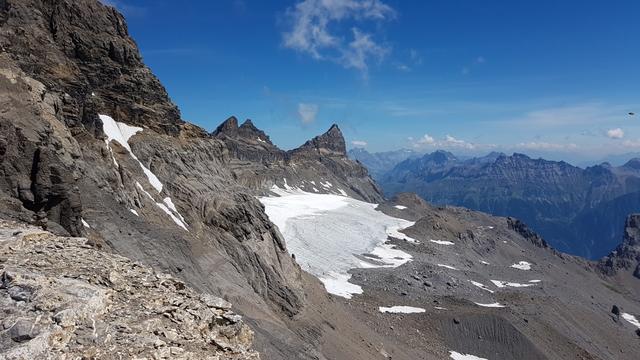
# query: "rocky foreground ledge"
[62,299]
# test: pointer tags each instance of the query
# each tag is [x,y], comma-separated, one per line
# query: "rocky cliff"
[625,257]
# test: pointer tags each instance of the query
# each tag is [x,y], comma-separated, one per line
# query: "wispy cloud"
[307,113]
[616,133]
[314,32]
[545,146]
[448,143]
[359,143]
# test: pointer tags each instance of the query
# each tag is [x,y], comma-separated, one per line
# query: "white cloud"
[359,143]
[546,146]
[313,31]
[616,133]
[307,113]
[448,142]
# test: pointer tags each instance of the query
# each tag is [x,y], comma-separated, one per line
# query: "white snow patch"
[440,308]
[447,266]
[134,212]
[338,284]
[314,189]
[163,207]
[522,265]
[503,284]
[394,231]
[535,281]
[481,286]
[313,182]
[260,140]
[171,206]
[331,234]
[401,309]
[484,262]
[326,184]
[286,186]
[442,242]
[121,133]
[342,192]
[504,241]
[457,356]
[85,224]
[492,305]
[631,319]
[400,207]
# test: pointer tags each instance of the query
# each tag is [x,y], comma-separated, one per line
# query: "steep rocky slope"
[61,298]
[89,136]
[577,210]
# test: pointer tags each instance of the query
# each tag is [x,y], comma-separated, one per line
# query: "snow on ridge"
[481,286]
[178,220]
[401,309]
[631,319]
[121,133]
[492,305]
[442,242]
[447,267]
[504,284]
[331,234]
[400,207]
[522,265]
[458,356]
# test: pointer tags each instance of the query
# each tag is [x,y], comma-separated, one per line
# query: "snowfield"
[457,356]
[631,319]
[504,284]
[481,286]
[332,234]
[493,305]
[522,265]
[401,309]
[442,242]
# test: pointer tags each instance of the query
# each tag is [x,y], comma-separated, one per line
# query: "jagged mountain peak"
[330,143]
[633,164]
[247,131]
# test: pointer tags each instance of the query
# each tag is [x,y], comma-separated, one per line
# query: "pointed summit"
[330,143]
[228,127]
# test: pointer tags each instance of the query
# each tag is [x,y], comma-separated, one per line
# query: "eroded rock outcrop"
[60,298]
[625,257]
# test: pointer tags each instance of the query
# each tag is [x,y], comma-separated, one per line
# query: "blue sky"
[549,78]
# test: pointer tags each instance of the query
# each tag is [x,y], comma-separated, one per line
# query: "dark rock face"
[83,50]
[575,209]
[626,257]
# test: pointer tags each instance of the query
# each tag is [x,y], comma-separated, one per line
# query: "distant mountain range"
[380,163]
[577,210]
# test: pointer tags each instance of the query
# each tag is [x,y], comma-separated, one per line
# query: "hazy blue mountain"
[577,210]
[379,163]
